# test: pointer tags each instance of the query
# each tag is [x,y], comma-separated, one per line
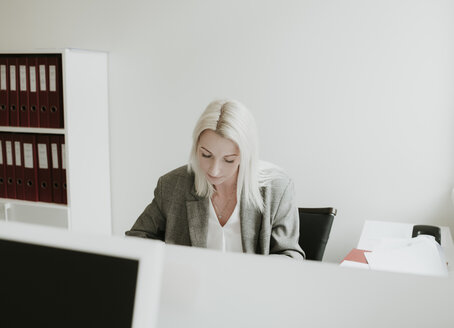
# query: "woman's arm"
[151,223]
[285,228]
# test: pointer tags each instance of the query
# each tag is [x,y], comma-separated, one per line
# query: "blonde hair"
[232,120]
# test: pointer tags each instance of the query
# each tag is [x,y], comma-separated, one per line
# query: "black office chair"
[315,226]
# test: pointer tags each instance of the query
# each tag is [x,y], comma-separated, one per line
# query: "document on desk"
[420,255]
[374,231]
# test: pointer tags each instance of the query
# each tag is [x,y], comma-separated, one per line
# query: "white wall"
[354,98]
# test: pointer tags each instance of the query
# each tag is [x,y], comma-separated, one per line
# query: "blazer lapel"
[197,214]
[251,223]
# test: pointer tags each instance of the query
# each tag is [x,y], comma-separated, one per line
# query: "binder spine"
[30,167]
[43,96]
[44,169]
[4,91]
[18,167]
[10,176]
[55,92]
[33,91]
[56,169]
[64,188]
[13,91]
[2,167]
[24,117]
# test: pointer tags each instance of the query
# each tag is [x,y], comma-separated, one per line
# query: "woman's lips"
[213,178]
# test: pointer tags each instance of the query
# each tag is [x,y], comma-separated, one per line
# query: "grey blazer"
[178,216]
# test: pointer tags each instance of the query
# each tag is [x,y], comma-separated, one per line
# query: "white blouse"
[225,238]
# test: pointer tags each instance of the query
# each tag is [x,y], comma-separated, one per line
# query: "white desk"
[203,288]
[375,231]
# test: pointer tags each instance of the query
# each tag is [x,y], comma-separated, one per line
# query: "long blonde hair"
[232,120]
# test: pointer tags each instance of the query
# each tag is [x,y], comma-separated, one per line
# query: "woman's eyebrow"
[205,149]
[212,153]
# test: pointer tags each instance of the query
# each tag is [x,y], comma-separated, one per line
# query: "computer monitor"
[50,277]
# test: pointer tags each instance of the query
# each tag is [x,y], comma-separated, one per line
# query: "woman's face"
[219,158]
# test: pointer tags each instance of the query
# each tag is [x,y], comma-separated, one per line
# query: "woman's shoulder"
[271,175]
[178,174]
[176,183]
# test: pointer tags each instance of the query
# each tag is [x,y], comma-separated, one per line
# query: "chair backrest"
[315,226]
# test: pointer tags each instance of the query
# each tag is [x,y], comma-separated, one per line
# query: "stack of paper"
[420,255]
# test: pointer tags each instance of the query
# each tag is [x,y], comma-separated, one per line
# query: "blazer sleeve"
[285,228]
[152,222]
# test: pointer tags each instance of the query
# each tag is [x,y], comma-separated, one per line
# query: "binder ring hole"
[23,108]
[43,109]
[10,181]
[56,185]
[13,107]
[19,181]
[53,109]
[33,108]
[2,107]
[44,185]
[1,181]
[64,186]
[29,183]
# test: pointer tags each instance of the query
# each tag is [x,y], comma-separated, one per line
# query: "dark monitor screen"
[44,286]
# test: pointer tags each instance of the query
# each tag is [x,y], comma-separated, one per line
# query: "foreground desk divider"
[204,288]
[50,277]
[190,287]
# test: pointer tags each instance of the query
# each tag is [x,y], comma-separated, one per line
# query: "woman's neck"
[227,188]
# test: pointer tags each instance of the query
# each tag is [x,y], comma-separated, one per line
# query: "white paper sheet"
[420,255]
[374,231]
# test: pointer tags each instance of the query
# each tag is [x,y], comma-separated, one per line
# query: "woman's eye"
[206,155]
[229,161]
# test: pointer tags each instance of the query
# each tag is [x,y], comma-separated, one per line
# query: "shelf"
[48,214]
[84,92]
[33,204]
[22,129]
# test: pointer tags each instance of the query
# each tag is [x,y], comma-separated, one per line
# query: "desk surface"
[205,288]
[375,231]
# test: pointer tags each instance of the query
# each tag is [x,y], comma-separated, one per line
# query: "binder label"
[2,77]
[28,155]
[9,153]
[1,154]
[12,77]
[23,77]
[32,78]
[54,155]
[42,156]
[63,157]
[42,77]
[52,78]
[17,148]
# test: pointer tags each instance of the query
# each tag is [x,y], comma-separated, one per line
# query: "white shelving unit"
[85,107]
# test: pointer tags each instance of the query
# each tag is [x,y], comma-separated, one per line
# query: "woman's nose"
[214,169]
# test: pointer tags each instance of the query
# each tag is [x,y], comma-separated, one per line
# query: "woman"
[224,199]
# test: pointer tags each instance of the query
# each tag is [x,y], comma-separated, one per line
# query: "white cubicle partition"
[203,288]
[56,278]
